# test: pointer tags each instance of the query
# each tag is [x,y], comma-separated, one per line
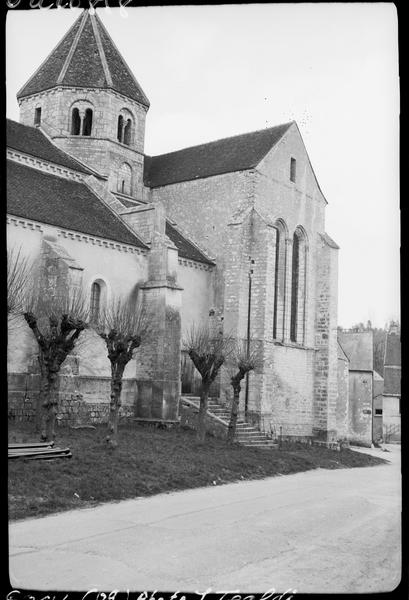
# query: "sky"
[216,71]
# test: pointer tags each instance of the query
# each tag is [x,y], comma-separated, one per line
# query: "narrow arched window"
[294,287]
[128,132]
[279,281]
[95,301]
[75,122]
[125,179]
[37,116]
[87,123]
[298,287]
[120,128]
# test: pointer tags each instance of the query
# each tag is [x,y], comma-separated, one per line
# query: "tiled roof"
[392,379]
[358,347]
[40,196]
[393,350]
[31,140]
[85,57]
[186,249]
[231,154]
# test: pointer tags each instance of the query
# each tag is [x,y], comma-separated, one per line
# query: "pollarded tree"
[56,322]
[244,359]
[208,351]
[123,326]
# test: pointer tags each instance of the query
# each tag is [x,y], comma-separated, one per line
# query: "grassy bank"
[148,461]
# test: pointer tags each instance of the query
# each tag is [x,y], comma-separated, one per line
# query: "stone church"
[191,231]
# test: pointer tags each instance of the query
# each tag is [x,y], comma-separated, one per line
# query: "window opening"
[294,287]
[95,300]
[127,132]
[87,124]
[293,167]
[120,127]
[75,122]
[37,116]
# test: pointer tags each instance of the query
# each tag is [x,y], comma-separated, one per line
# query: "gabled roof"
[43,197]
[85,57]
[393,350]
[186,248]
[237,153]
[358,347]
[31,140]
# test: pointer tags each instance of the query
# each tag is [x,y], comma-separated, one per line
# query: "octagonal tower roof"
[85,57]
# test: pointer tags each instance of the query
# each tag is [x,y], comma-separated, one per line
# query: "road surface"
[320,531]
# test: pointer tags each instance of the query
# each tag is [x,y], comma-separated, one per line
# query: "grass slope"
[148,461]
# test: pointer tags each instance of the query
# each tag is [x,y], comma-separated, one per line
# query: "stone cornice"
[186,262]
[74,235]
[43,165]
[75,89]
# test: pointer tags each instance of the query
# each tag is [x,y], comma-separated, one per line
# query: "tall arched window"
[125,179]
[87,122]
[95,301]
[75,122]
[279,280]
[298,286]
[81,117]
[125,127]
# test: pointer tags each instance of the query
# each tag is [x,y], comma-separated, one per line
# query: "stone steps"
[246,434]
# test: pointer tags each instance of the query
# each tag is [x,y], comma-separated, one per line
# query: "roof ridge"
[101,51]
[57,148]
[72,49]
[230,137]
[187,236]
[104,29]
[112,211]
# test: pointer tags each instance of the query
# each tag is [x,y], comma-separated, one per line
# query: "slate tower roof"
[85,57]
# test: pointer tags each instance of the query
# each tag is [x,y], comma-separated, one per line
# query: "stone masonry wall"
[101,150]
[343,399]
[360,402]
[326,360]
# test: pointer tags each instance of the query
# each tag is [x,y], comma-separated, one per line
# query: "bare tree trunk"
[114,405]
[201,422]
[40,398]
[50,405]
[234,413]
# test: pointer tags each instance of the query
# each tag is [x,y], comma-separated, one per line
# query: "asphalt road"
[320,531]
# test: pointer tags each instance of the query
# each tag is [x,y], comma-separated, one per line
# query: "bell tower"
[85,97]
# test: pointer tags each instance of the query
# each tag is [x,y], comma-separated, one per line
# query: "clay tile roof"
[31,140]
[85,57]
[40,196]
[230,154]
[358,347]
[186,248]
[393,350]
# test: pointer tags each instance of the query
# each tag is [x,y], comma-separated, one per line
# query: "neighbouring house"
[343,405]
[392,388]
[180,231]
[378,384]
[358,347]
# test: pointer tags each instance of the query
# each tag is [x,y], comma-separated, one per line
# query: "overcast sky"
[215,71]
